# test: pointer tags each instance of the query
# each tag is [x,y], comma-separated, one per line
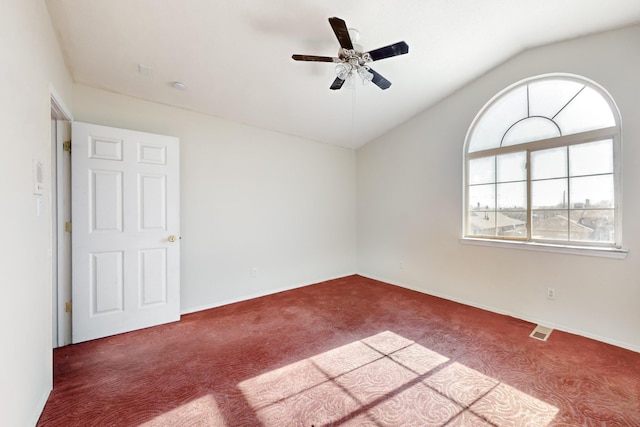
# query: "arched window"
[542,164]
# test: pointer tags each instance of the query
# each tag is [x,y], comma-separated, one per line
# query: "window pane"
[552,224]
[482,171]
[482,197]
[547,97]
[482,223]
[592,225]
[530,129]
[512,167]
[550,163]
[549,194]
[592,191]
[587,111]
[511,224]
[497,119]
[591,158]
[512,196]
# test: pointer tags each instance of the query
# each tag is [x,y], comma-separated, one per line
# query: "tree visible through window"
[542,164]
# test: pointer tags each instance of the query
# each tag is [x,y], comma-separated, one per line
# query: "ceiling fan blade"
[395,49]
[337,84]
[342,32]
[379,81]
[314,58]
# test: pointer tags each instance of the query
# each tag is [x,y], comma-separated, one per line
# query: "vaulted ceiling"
[234,57]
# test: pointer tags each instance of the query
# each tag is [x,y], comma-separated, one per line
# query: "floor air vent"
[541,333]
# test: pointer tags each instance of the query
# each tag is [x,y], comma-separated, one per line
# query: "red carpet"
[347,352]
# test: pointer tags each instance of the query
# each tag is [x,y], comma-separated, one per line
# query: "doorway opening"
[60,197]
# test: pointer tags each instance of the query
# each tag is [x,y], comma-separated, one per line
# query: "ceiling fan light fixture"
[343,70]
[365,75]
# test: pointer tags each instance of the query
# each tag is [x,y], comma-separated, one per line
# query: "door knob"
[172,239]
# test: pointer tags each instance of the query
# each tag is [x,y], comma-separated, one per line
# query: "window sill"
[545,247]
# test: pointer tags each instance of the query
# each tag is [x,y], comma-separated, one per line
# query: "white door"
[125,230]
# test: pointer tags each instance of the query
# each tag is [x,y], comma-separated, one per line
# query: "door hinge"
[67,307]
[66,146]
[67,226]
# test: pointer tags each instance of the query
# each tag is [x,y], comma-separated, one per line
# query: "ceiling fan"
[352,60]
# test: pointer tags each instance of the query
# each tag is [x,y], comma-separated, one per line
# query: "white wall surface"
[250,198]
[31,61]
[410,205]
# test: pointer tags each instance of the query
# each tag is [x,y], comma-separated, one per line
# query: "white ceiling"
[235,56]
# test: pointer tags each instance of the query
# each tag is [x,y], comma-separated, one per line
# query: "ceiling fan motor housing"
[354,57]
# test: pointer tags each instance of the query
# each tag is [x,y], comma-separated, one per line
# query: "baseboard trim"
[256,295]
[40,407]
[533,320]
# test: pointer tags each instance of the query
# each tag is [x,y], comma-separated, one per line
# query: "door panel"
[125,206]
[105,201]
[153,190]
[106,282]
[153,278]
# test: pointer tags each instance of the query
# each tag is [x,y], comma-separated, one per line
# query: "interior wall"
[410,205]
[260,211]
[31,65]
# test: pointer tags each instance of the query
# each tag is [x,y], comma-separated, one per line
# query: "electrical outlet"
[401,265]
[551,293]
[254,272]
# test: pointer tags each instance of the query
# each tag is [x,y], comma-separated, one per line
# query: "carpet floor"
[346,352]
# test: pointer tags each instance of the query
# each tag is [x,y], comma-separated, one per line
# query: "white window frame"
[614,250]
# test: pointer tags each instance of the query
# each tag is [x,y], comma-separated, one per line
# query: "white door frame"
[60,259]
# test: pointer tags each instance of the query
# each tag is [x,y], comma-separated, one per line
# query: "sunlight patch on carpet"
[202,411]
[383,379]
